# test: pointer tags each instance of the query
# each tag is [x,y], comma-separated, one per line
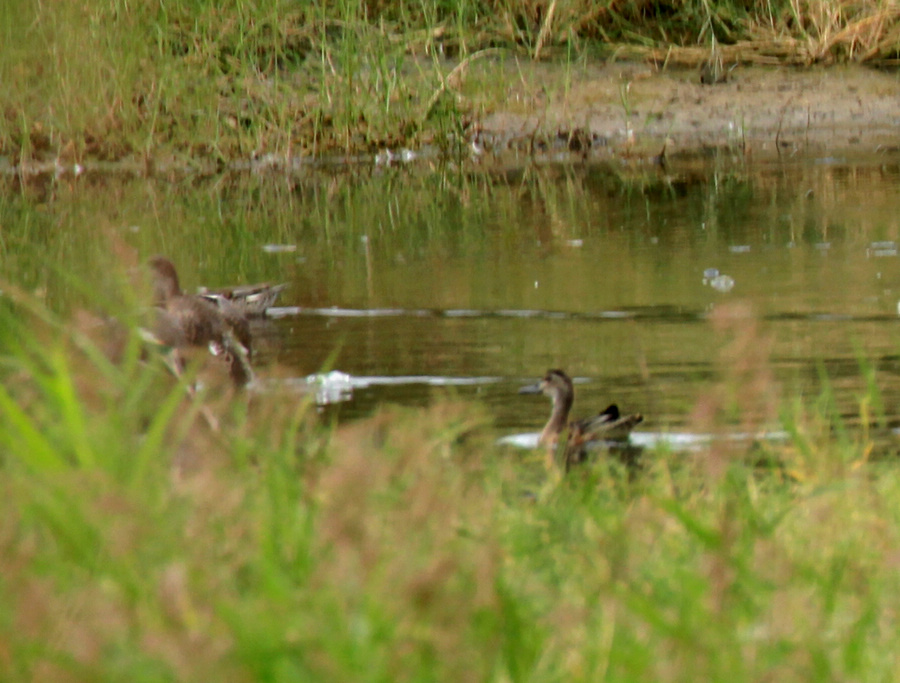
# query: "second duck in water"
[185,321]
[607,425]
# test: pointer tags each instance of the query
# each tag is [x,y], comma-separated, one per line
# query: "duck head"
[556,385]
[165,279]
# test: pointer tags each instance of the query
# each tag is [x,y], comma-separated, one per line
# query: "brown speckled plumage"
[185,320]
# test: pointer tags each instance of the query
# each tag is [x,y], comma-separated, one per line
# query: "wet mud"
[626,109]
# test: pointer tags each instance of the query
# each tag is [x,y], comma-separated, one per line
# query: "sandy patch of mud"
[630,109]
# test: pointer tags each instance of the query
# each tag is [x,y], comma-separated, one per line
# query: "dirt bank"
[629,109]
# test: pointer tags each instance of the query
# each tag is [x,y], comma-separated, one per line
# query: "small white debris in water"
[718,281]
[722,283]
[407,155]
[78,169]
[278,248]
[538,284]
[881,249]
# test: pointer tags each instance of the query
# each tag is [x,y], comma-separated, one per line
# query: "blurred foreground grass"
[136,543]
[207,82]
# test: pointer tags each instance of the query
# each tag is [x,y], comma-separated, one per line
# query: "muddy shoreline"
[608,111]
[758,111]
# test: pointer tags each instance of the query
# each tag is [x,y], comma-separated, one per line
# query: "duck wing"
[607,425]
[250,300]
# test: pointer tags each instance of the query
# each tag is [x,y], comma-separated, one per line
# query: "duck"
[184,321]
[251,301]
[607,425]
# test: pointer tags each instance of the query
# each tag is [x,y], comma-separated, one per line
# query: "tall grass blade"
[72,416]
[161,424]
[25,440]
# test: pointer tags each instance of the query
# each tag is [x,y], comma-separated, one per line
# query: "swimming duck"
[184,321]
[607,425]
[249,300]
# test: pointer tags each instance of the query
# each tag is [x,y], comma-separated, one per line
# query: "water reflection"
[485,278]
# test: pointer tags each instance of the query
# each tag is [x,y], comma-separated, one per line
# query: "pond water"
[420,281]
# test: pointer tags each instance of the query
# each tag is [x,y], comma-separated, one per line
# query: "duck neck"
[562,404]
[164,290]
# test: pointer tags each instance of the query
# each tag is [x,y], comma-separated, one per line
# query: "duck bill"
[532,389]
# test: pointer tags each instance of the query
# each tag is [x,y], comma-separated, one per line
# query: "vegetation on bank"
[202,80]
[140,542]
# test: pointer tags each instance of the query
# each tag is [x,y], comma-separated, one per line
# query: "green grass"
[138,544]
[210,82]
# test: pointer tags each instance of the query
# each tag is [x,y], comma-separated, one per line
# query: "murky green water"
[416,281]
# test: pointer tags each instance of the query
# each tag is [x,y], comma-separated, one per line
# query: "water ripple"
[661,313]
